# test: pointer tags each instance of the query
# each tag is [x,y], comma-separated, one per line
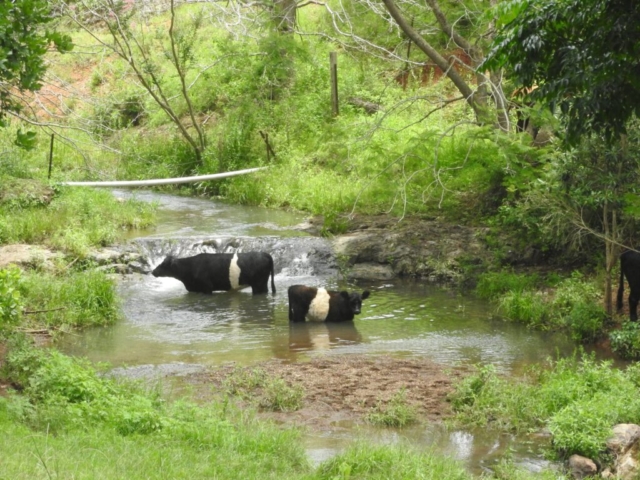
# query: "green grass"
[390,463]
[394,413]
[578,399]
[266,391]
[75,299]
[73,220]
[573,304]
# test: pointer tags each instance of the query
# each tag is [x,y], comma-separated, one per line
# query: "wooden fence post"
[333,65]
[50,157]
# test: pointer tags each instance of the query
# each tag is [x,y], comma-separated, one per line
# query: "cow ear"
[344,294]
[365,294]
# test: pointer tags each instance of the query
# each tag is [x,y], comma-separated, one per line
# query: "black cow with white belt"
[210,272]
[630,268]
[322,305]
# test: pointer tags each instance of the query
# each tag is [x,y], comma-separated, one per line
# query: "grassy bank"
[577,400]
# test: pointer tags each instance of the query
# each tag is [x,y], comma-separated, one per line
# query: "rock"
[137,267]
[625,435]
[370,271]
[624,444]
[581,467]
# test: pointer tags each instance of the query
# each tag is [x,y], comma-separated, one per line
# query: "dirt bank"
[347,387]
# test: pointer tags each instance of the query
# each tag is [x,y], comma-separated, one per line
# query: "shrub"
[626,341]
[10,299]
[578,399]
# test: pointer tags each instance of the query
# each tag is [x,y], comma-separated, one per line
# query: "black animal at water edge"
[321,305]
[210,272]
[630,268]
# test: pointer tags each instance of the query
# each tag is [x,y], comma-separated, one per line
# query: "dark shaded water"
[169,331]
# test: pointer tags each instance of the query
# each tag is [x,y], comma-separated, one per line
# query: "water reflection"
[310,336]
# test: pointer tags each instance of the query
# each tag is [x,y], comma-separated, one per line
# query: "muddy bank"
[347,387]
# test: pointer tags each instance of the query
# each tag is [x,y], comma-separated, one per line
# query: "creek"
[168,332]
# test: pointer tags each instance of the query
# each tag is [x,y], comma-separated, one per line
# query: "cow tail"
[620,287]
[273,285]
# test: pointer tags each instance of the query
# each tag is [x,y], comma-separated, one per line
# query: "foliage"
[568,50]
[10,299]
[626,341]
[269,392]
[394,413]
[578,399]
[70,299]
[491,285]
[74,220]
[574,305]
[23,45]
[389,463]
[71,409]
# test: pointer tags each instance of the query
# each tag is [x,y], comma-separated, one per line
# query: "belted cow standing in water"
[322,305]
[210,272]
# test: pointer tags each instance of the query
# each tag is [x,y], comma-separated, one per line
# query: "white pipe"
[161,181]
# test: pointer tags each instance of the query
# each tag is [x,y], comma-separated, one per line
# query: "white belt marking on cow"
[319,308]
[234,273]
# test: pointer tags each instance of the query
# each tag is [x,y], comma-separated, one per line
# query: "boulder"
[581,467]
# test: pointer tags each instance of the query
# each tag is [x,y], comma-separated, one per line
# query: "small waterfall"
[293,257]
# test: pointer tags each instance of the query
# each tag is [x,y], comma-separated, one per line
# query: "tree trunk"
[285,15]
[447,67]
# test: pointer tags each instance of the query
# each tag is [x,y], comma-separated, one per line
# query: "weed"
[577,398]
[626,341]
[397,412]
[270,393]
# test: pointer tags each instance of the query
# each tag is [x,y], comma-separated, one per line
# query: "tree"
[583,56]
[177,46]
[23,44]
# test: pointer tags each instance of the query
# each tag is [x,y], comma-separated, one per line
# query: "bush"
[578,399]
[626,341]
[574,304]
[10,299]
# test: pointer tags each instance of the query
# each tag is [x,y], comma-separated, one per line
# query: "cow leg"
[257,289]
[633,308]
[295,317]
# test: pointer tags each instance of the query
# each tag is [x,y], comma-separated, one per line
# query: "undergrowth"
[578,399]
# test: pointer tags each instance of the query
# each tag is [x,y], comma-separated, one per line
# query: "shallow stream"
[168,331]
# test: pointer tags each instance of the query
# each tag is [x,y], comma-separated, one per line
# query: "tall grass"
[578,399]
[71,299]
[75,220]
[573,304]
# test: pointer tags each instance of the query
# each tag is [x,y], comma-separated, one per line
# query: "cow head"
[355,300]
[165,269]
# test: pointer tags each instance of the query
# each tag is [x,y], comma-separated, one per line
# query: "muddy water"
[168,331]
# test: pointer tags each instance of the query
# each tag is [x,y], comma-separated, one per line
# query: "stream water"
[167,331]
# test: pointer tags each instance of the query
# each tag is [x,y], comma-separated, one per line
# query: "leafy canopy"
[23,44]
[583,56]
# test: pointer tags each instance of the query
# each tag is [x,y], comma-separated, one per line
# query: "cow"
[210,272]
[322,305]
[630,268]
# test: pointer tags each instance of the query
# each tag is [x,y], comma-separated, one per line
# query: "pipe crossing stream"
[168,332]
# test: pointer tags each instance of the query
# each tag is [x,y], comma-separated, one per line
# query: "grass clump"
[270,392]
[626,341]
[397,412]
[389,463]
[573,304]
[578,400]
[72,220]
